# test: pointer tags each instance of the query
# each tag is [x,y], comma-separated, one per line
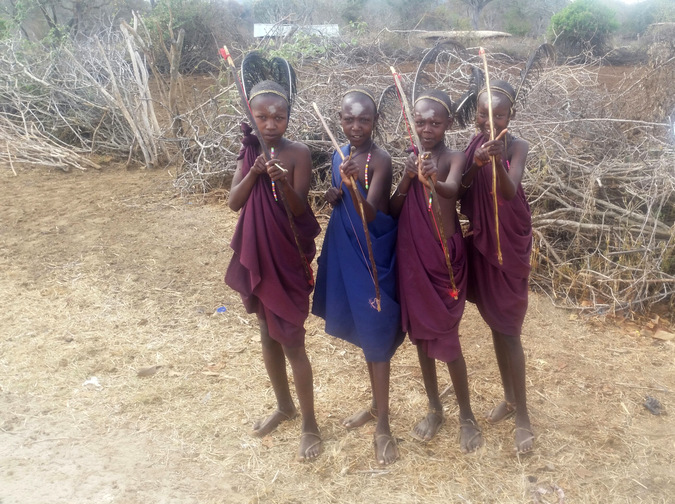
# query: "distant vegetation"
[578,26]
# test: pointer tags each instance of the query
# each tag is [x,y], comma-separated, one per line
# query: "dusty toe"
[360,418]
[386,450]
[428,427]
[502,411]
[310,446]
[266,425]
[524,440]
[470,436]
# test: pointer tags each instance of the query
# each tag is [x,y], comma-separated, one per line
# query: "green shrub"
[300,47]
[516,21]
[583,26]
[5,29]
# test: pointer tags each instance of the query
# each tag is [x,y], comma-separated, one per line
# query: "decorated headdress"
[466,107]
[436,66]
[435,71]
[261,76]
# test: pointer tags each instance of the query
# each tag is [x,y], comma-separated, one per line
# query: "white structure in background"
[261,30]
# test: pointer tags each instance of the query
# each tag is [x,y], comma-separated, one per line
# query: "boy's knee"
[294,354]
[267,341]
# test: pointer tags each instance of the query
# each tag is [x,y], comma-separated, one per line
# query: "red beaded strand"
[274,186]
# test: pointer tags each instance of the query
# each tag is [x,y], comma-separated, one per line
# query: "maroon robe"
[429,312]
[266,267]
[498,290]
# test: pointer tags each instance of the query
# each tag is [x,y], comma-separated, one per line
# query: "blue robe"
[344,293]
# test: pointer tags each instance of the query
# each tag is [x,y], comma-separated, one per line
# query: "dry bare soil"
[105,273]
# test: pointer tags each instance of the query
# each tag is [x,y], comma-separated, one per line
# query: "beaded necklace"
[368,163]
[274,186]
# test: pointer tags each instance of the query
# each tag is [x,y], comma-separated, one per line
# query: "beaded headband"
[268,91]
[363,92]
[433,98]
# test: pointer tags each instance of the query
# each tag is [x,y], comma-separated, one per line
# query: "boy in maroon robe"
[268,266]
[500,289]
[432,299]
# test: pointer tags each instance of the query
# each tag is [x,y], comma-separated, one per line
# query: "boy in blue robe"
[345,293]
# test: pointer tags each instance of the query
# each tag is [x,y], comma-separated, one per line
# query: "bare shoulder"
[519,145]
[451,157]
[381,158]
[299,148]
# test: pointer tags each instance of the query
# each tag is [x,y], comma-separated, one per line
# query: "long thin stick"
[247,109]
[359,208]
[11,164]
[435,208]
[336,145]
[481,52]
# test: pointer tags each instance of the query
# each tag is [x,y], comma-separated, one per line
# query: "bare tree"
[67,17]
[475,8]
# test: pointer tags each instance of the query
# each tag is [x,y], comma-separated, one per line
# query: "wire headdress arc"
[256,69]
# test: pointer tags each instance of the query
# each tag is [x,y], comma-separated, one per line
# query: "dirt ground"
[105,273]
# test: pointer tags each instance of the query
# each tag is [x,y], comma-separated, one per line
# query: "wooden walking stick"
[481,52]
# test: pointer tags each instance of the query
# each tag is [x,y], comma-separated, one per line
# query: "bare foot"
[501,412]
[470,436]
[428,427]
[310,446]
[524,440]
[360,418]
[386,451]
[266,425]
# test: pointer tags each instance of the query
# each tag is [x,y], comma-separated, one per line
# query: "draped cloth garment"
[428,311]
[345,293]
[266,267]
[499,291]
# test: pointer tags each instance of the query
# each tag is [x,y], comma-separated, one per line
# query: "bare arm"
[507,182]
[242,185]
[295,182]
[398,198]
[450,174]
[380,186]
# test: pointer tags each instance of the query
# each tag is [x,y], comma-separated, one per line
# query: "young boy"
[431,306]
[267,268]
[500,290]
[345,291]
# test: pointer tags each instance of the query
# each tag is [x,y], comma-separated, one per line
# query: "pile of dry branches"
[602,190]
[89,96]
